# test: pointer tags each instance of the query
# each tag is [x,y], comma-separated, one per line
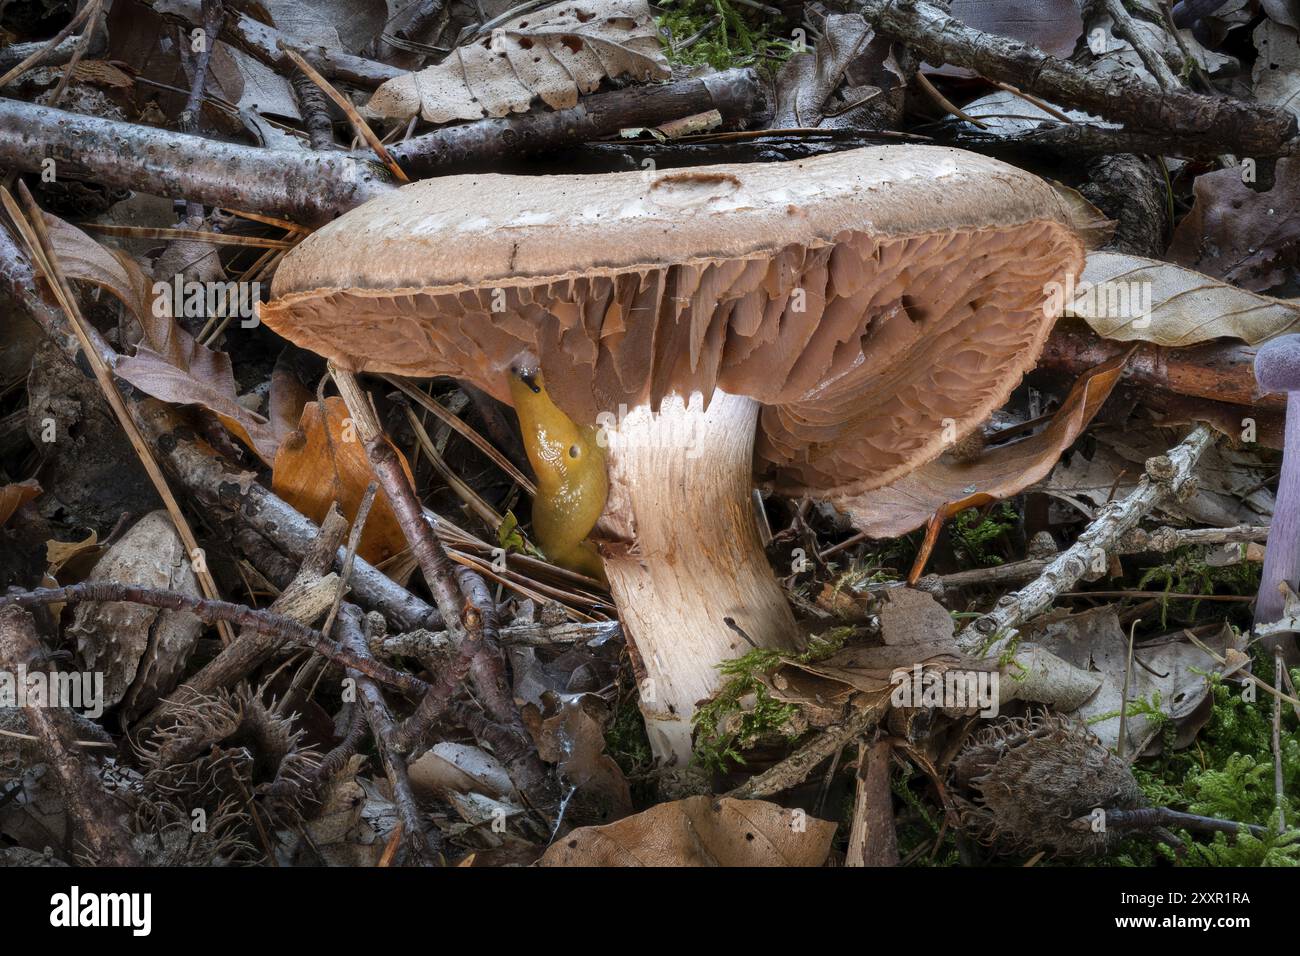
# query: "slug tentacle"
[572,484]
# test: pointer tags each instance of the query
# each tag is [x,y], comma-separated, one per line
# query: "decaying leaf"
[700,831]
[554,54]
[574,741]
[169,364]
[140,650]
[323,463]
[1244,237]
[807,80]
[1185,307]
[999,472]
[459,768]
[14,496]
[1276,74]
[1168,677]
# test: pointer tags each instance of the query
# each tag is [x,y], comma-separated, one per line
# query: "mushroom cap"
[1277,364]
[877,302]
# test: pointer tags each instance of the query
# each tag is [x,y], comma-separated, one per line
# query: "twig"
[1148,818]
[1228,124]
[415,831]
[211,611]
[1279,794]
[194,465]
[945,104]
[40,54]
[467,609]
[794,769]
[361,127]
[1167,476]
[83,44]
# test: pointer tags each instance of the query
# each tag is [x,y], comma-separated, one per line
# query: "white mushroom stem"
[680,488]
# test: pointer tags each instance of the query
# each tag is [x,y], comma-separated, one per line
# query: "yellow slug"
[571,481]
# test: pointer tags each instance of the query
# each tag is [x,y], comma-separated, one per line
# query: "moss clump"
[1188,572]
[1227,773]
[743,712]
[625,737]
[973,533]
[733,35]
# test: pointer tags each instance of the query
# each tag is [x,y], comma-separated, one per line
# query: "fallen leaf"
[59,553]
[1244,237]
[948,484]
[170,365]
[555,53]
[14,496]
[323,463]
[1276,74]
[459,768]
[574,741]
[806,81]
[1168,676]
[1186,307]
[700,831]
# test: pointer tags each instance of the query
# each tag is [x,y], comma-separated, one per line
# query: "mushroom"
[1277,369]
[826,324]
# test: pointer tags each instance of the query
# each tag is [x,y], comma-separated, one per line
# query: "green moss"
[625,737]
[973,533]
[1187,572]
[1227,773]
[734,35]
[921,827]
[742,712]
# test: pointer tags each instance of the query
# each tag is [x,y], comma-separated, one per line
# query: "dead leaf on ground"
[555,53]
[169,364]
[14,496]
[1170,671]
[999,472]
[700,831]
[325,462]
[574,741]
[1186,307]
[1244,237]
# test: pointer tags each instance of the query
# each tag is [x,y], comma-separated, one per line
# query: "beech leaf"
[554,54]
[700,831]
[1186,307]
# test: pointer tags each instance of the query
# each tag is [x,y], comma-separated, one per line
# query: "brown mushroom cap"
[875,301]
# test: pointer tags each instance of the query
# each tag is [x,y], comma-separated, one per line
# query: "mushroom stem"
[680,490]
[1282,557]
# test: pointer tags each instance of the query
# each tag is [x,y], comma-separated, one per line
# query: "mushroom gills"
[569,465]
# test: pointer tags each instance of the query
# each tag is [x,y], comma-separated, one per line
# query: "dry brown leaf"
[169,364]
[59,553]
[325,462]
[14,496]
[575,742]
[1244,237]
[555,53]
[947,485]
[700,831]
[1186,307]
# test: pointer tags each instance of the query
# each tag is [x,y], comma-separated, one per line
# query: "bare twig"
[1167,476]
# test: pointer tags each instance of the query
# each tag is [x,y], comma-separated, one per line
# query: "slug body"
[572,484]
